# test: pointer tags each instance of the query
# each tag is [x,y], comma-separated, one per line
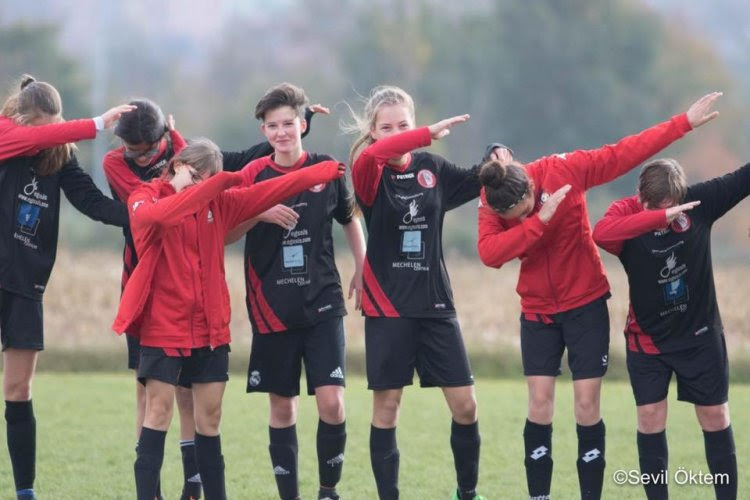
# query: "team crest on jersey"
[317,188]
[682,223]
[426,179]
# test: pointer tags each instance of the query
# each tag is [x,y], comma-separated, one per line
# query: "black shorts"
[702,374]
[21,322]
[134,351]
[584,331]
[204,365]
[394,347]
[276,358]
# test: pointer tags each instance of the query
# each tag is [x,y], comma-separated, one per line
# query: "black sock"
[465,443]
[210,466]
[384,458]
[147,466]
[283,450]
[653,457]
[537,440]
[722,462]
[21,437]
[591,461]
[192,485]
[331,442]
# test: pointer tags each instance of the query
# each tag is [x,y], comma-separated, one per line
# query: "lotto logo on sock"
[539,452]
[591,455]
[280,471]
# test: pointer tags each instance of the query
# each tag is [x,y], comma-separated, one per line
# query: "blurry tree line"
[542,77]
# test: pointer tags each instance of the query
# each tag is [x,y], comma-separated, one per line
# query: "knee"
[651,419]
[158,414]
[465,412]
[385,412]
[331,409]
[17,390]
[283,412]
[208,419]
[541,407]
[587,410]
[713,418]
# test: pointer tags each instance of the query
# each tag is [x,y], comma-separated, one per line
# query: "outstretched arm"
[242,204]
[83,194]
[146,210]
[599,166]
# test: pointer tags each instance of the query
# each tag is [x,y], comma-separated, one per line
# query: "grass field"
[85,442]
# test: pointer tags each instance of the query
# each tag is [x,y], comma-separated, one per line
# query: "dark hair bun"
[492,174]
[25,80]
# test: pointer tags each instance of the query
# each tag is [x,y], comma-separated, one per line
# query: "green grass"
[86,441]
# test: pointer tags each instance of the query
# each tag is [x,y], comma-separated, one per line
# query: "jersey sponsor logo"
[675,291]
[426,179]
[210,217]
[681,224]
[539,453]
[280,471]
[317,188]
[591,455]
[31,187]
[338,459]
[254,379]
[337,373]
[670,264]
[412,216]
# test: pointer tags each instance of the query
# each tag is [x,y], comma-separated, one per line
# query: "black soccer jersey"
[672,293]
[404,208]
[30,211]
[291,278]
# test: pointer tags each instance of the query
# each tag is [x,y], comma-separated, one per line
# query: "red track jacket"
[560,266]
[177,296]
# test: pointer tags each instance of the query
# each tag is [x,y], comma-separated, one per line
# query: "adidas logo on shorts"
[280,471]
[337,373]
[195,479]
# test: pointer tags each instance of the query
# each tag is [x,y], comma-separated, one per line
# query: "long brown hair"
[35,100]
[202,154]
[383,95]
[504,185]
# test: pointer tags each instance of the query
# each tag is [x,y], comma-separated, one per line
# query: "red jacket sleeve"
[624,220]
[368,167]
[178,142]
[241,204]
[498,244]
[122,180]
[599,166]
[146,210]
[20,140]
